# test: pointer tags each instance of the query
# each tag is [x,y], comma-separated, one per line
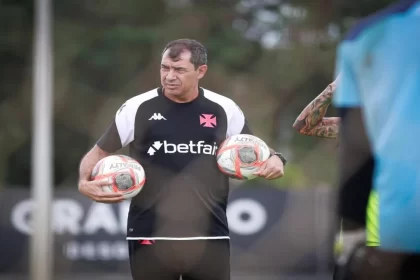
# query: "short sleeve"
[347,93]
[237,123]
[121,130]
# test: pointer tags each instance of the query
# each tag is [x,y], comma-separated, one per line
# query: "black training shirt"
[185,194]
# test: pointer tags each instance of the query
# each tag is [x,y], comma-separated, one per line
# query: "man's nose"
[171,75]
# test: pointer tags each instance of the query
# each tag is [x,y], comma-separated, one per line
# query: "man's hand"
[93,190]
[346,242]
[271,169]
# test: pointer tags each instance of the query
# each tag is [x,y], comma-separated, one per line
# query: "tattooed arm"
[312,122]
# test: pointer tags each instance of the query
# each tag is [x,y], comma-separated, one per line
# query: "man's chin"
[172,90]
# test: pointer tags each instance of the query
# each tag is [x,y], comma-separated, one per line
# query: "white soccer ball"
[240,156]
[126,175]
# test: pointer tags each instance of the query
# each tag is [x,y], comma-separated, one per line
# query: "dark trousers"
[191,259]
[371,263]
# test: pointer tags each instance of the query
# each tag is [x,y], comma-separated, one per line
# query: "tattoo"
[328,128]
[312,121]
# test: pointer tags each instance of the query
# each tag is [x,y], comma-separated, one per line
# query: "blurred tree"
[271,56]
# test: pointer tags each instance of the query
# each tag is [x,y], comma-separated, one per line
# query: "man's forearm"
[313,114]
[312,122]
[328,128]
[89,161]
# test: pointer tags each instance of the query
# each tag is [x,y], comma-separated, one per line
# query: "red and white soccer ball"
[126,175]
[240,156]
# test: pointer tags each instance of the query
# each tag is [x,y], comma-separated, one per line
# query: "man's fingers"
[274,175]
[109,199]
[261,169]
[103,194]
[266,172]
[94,190]
[101,182]
[271,176]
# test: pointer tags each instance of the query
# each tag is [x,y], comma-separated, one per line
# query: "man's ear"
[202,70]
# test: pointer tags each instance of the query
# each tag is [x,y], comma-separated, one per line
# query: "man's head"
[184,63]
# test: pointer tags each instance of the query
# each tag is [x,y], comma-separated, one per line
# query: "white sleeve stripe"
[235,117]
[125,117]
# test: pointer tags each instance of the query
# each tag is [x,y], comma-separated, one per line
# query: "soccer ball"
[241,155]
[125,173]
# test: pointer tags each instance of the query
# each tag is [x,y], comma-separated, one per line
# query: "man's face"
[179,77]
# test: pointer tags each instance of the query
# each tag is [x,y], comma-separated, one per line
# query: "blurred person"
[378,99]
[312,122]
[177,225]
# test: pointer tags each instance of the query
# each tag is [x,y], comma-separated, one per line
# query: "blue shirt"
[379,67]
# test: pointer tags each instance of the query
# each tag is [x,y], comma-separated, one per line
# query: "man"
[312,122]
[378,97]
[177,225]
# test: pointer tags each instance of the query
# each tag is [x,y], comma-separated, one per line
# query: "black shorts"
[169,259]
[371,263]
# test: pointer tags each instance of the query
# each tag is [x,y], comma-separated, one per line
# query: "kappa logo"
[157,117]
[192,148]
[208,120]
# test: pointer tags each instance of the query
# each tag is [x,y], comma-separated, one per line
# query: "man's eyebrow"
[175,67]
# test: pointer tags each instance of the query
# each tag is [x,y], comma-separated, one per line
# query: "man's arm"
[118,135]
[273,168]
[312,122]
[356,165]
[89,161]
[110,142]
[92,189]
